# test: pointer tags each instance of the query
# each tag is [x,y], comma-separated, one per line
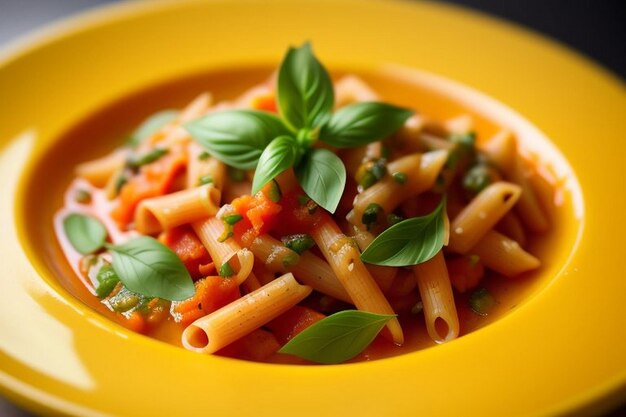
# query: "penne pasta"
[421,171]
[164,212]
[481,215]
[210,333]
[203,169]
[503,255]
[442,321]
[308,268]
[344,258]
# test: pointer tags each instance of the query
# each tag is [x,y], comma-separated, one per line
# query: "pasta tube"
[442,321]
[421,171]
[344,258]
[481,215]
[210,333]
[504,255]
[164,212]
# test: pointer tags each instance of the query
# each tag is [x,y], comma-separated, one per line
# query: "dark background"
[595,28]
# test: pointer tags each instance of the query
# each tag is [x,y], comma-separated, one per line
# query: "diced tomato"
[260,215]
[299,214]
[211,294]
[186,245]
[152,180]
[292,322]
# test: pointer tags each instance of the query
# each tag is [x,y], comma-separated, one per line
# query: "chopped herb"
[82,196]
[226,234]
[370,215]
[204,155]
[120,181]
[232,219]
[481,301]
[226,271]
[474,259]
[290,259]
[124,300]
[464,147]
[107,280]
[371,172]
[236,174]
[478,178]
[205,179]
[399,177]
[298,243]
[136,161]
[393,218]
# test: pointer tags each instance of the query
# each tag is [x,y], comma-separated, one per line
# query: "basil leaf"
[279,155]
[323,177]
[237,137]
[363,123]
[305,92]
[149,126]
[146,266]
[86,233]
[338,337]
[409,242]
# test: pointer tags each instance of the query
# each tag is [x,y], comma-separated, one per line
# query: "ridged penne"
[210,333]
[308,268]
[481,215]
[442,321]
[504,255]
[344,258]
[421,171]
[164,212]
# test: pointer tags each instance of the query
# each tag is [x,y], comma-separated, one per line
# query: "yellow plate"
[561,351]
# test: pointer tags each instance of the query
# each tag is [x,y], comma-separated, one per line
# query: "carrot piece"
[153,180]
[211,293]
[465,272]
[292,322]
[184,242]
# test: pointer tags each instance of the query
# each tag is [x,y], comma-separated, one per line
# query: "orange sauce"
[105,130]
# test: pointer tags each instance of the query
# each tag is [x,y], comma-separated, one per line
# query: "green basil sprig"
[323,177]
[237,137]
[305,91]
[144,265]
[85,233]
[278,156]
[338,337]
[363,123]
[248,139]
[409,242]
